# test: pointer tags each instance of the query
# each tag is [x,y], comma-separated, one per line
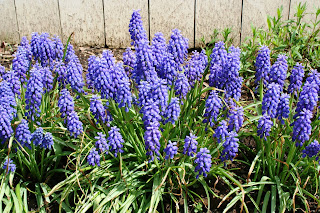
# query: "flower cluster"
[302,127]
[235,116]
[196,66]
[262,64]
[93,157]
[271,100]
[115,140]
[21,63]
[151,138]
[74,125]
[264,126]
[8,165]
[159,49]
[171,150]
[13,81]
[65,103]
[34,93]
[203,161]
[278,71]
[23,135]
[42,139]
[296,78]
[221,131]
[98,110]
[213,106]
[101,143]
[230,147]
[283,109]
[136,30]
[129,60]
[308,98]
[190,145]
[182,86]
[172,112]
[178,46]
[312,150]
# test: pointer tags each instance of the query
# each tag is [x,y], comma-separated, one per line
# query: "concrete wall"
[105,22]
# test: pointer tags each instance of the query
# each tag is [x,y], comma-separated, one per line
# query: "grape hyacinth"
[271,100]
[178,46]
[129,60]
[21,64]
[221,131]
[47,141]
[278,71]
[190,145]
[235,116]
[172,112]
[171,150]
[312,150]
[97,109]
[196,66]
[213,106]
[283,109]
[151,113]
[123,94]
[58,48]
[168,69]
[264,126]
[7,99]
[61,71]
[8,165]
[2,71]
[37,137]
[182,86]
[25,44]
[159,49]
[136,30]
[13,81]
[262,65]
[230,147]
[308,98]
[314,77]
[65,103]
[203,161]
[144,70]
[219,54]
[151,138]
[47,78]
[74,125]
[296,78]
[74,74]
[93,157]
[101,143]
[23,134]
[115,141]
[302,127]
[34,94]
[5,125]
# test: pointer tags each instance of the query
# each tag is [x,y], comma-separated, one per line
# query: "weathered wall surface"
[85,19]
[217,14]
[8,26]
[38,16]
[105,22]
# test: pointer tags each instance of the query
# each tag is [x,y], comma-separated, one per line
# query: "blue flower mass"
[142,127]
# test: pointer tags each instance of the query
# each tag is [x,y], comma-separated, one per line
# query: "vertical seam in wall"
[194,24]
[241,21]
[289,9]
[104,25]
[60,20]
[15,9]
[149,24]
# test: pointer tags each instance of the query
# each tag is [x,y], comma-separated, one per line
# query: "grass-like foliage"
[160,129]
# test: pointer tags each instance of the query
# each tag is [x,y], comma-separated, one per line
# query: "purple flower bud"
[37,137]
[178,46]
[302,127]
[196,66]
[190,145]
[271,100]
[8,165]
[264,126]
[218,55]
[203,161]
[151,113]
[65,103]
[5,125]
[235,116]
[296,78]
[23,134]
[182,86]
[213,107]
[230,147]
[308,98]
[159,49]
[93,157]
[312,150]
[74,74]
[262,64]
[74,125]
[98,110]
[172,112]
[171,150]
[21,63]
[101,143]
[115,141]
[151,138]
[221,131]
[283,109]
[13,81]
[136,30]
[278,71]
[47,141]
[129,60]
